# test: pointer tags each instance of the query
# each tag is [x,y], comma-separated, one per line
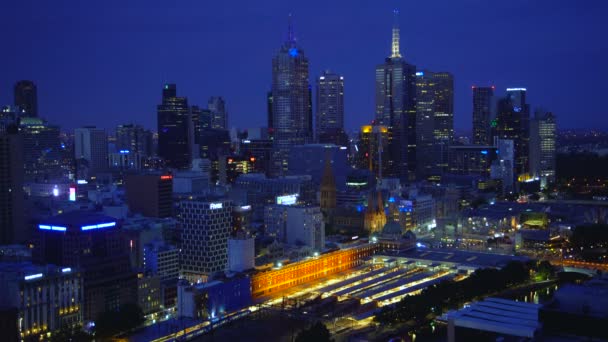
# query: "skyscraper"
[91,145]
[330,108]
[42,149]
[542,147]
[483,104]
[513,122]
[434,122]
[219,116]
[26,97]
[174,129]
[291,112]
[12,227]
[135,139]
[396,109]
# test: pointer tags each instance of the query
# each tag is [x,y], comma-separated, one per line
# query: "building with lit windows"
[434,123]
[329,121]
[134,139]
[149,294]
[175,133]
[483,111]
[206,226]
[42,149]
[231,167]
[513,123]
[97,246]
[396,109]
[472,159]
[291,101]
[542,147]
[45,299]
[372,148]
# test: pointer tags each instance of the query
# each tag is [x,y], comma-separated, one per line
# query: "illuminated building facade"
[513,122]
[372,148]
[175,133]
[472,159]
[542,147]
[46,298]
[135,140]
[483,109]
[231,167]
[434,122]
[97,246]
[206,227]
[291,101]
[375,216]
[26,98]
[330,108]
[396,109]
[150,194]
[274,281]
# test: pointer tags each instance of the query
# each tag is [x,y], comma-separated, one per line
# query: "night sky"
[104,64]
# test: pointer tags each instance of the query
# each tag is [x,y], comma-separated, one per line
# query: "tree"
[544,269]
[110,323]
[318,332]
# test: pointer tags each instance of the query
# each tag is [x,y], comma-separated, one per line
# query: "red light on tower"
[166,177]
[252,159]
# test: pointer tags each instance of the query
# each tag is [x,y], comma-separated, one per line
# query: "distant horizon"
[105,65]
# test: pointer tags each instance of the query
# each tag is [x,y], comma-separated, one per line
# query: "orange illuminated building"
[273,281]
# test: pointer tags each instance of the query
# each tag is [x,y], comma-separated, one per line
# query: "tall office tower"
[483,109]
[26,98]
[42,149]
[12,228]
[291,112]
[373,144]
[96,246]
[513,122]
[396,109]
[91,145]
[206,227]
[434,123]
[174,129]
[150,194]
[330,109]
[542,147]
[219,116]
[135,139]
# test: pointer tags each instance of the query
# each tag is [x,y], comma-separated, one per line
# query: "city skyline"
[76,85]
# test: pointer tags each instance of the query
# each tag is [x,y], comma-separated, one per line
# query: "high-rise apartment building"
[206,227]
[513,122]
[291,103]
[26,98]
[329,124]
[483,111]
[372,149]
[542,147]
[91,145]
[396,109]
[42,149]
[219,116]
[434,123]
[175,132]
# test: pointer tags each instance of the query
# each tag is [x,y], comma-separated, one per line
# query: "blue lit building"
[213,299]
[96,245]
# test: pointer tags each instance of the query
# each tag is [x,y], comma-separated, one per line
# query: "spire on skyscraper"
[395,44]
[291,37]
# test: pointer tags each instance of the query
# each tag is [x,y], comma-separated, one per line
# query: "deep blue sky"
[104,62]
